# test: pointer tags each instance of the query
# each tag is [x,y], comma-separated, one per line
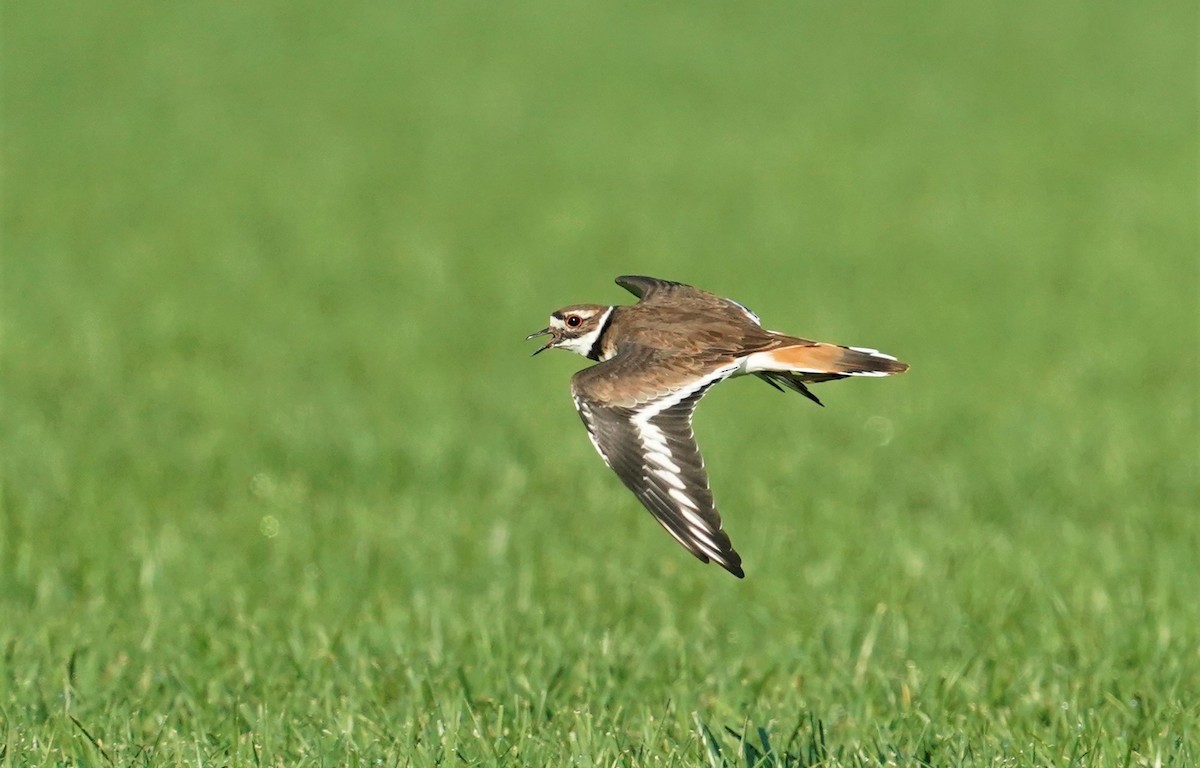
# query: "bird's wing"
[650,289]
[639,418]
[646,288]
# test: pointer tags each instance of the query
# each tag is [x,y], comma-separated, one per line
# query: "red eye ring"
[574,320]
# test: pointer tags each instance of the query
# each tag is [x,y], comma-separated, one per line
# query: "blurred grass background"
[281,486]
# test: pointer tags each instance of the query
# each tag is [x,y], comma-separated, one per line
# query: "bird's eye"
[574,320]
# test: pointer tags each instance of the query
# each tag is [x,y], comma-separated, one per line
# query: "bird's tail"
[809,362]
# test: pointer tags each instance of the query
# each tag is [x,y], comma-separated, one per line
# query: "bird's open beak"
[547,345]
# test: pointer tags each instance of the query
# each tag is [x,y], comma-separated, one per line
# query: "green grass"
[281,485]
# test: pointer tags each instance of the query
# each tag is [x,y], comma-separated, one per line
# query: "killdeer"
[656,359]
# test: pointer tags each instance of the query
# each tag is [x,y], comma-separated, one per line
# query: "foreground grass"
[281,487]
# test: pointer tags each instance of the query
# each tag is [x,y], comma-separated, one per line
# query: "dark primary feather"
[795,382]
[646,287]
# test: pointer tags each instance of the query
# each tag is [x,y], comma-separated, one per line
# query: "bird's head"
[575,328]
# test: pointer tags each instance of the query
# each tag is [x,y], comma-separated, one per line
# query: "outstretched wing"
[651,446]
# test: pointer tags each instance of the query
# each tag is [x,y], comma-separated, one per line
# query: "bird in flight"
[655,360]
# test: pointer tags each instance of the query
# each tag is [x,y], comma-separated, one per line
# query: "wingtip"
[734,566]
[732,563]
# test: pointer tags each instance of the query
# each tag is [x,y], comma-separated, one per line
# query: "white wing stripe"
[653,438]
[711,551]
[663,459]
[697,525]
[705,542]
[671,478]
[683,498]
[586,412]
[678,396]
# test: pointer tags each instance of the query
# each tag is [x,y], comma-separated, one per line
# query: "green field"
[282,486]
